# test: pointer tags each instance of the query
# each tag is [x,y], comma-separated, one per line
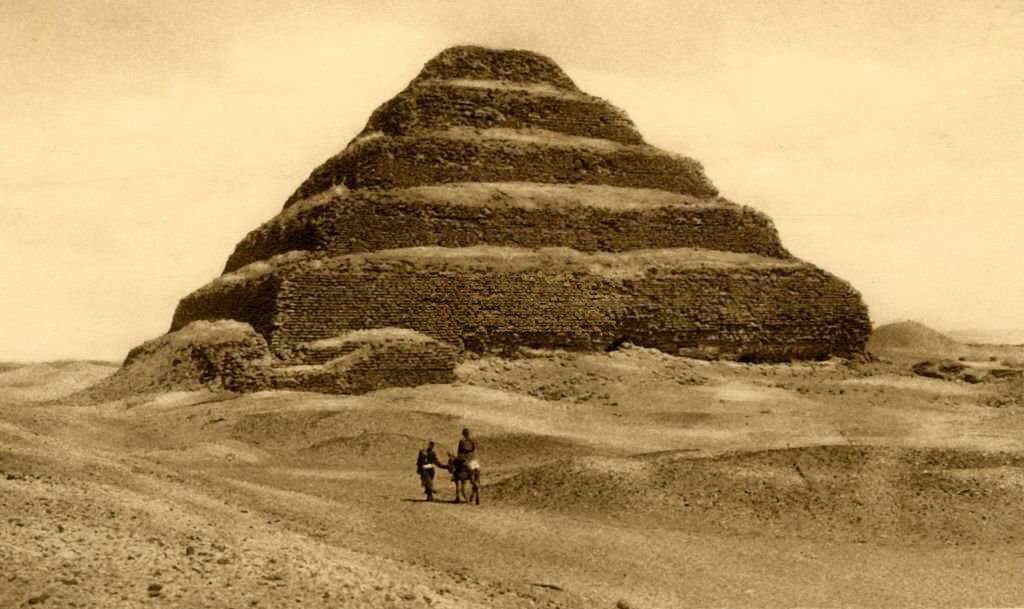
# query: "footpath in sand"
[630,477]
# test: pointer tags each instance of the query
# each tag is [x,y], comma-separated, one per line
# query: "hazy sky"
[139,141]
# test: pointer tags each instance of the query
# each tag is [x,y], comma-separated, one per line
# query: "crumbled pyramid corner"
[492,205]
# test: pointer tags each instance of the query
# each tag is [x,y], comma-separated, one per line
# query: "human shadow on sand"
[438,501]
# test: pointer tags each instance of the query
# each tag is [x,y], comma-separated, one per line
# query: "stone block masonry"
[511,215]
[465,155]
[366,360]
[476,62]
[748,308]
[256,296]
[440,105]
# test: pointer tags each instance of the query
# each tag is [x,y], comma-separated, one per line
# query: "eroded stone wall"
[371,364]
[393,162]
[360,222]
[441,106]
[476,62]
[768,312]
[253,301]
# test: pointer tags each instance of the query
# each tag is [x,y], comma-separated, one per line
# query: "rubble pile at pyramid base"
[366,360]
[229,355]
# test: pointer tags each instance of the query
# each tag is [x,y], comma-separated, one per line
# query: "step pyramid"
[493,205]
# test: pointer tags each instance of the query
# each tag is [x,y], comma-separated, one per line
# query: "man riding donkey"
[425,462]
[465,468]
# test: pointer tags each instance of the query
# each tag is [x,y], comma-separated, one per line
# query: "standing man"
[425,462]
[467,452]
[467,459]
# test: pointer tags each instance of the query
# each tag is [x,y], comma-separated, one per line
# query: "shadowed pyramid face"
[492,204]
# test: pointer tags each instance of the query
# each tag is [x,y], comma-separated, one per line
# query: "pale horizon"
[139,143]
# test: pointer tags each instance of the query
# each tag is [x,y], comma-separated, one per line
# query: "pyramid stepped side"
[585,218]
[493,205]
[439,105]
[461,154]
[484,115]
[253,291]
[690,302]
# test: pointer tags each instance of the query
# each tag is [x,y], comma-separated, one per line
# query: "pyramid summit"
[492,205]
[482,63]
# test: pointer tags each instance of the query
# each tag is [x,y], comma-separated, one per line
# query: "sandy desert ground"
[626,479]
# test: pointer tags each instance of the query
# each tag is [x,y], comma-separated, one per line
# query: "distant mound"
[1009,336]
[518,449]
[50,380]
[367,447]
[8,366]
[910,336]
[842,492]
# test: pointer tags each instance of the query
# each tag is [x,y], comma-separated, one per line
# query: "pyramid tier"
[585,218]
[506,65]
[438,105]
[463,154]
[492,299]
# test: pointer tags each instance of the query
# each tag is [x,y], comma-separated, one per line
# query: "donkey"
[461,474]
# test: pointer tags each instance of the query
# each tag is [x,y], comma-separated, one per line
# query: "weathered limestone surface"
[439,105]
[482,63]
[736,306]
[366,360]
[462,154]
[533,216]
